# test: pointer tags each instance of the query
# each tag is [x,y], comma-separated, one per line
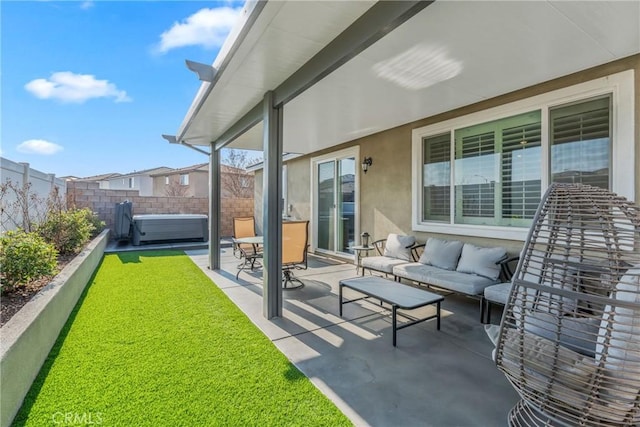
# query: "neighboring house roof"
[187,169]
[202,167]
[161,169]
[370,66]
[231,169]
[101,177]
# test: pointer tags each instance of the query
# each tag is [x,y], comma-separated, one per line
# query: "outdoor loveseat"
[449,265]
[454,266]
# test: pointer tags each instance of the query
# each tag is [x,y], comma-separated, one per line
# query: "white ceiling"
[451,54]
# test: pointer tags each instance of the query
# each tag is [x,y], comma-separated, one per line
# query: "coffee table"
[398,295]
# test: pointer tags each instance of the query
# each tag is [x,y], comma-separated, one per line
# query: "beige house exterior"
[141,181]
[387,191]
[193,181]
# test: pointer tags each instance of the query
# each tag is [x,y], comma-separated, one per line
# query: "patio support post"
[214,208]
[271,211]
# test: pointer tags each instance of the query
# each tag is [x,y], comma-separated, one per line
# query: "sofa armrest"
[506,267]
[379,246]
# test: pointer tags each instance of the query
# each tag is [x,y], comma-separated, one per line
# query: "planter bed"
[29,335]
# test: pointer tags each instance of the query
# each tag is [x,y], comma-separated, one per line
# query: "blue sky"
[88,87]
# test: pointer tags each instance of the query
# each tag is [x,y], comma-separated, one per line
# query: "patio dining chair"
[295,242]
[244,227]
[247,252]
[569,340]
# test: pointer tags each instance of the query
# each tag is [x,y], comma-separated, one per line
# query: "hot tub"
[169,227]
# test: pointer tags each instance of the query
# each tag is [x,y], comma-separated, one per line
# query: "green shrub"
[25,257]
[95,221]
[67,230]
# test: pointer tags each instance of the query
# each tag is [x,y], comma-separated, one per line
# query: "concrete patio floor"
[432,378]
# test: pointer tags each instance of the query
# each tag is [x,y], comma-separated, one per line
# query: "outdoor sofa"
[449,265]
[455,266]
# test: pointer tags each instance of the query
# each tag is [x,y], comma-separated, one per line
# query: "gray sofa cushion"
[398,246]
[498,293]
[553,273]
[464,283]
[577,332]
[416,271]
[441,253]
[481,261]
[381,263]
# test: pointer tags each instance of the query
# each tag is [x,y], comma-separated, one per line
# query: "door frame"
[335,155]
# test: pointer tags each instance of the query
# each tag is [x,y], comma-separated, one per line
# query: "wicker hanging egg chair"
[569,340]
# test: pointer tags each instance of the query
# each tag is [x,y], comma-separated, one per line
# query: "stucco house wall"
[199,181]
[142,181]
[386,190]
[198,184]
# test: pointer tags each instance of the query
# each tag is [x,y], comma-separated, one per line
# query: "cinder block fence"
[84,194]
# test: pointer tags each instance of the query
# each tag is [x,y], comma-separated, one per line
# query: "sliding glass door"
[335,195]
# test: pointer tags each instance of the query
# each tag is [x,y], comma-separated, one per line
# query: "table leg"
[438,316]
[340,298]
[394,319]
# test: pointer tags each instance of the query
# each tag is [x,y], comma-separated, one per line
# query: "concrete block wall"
[103,201]
[231,208]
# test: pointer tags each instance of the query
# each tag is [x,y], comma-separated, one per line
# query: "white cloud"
[39,146]
[207,27]
[66,86]
[88,4]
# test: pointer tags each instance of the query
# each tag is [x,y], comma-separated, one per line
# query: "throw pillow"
[441,253]
[481,261]
[398,246]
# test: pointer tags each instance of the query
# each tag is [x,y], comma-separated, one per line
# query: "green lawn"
[154,342]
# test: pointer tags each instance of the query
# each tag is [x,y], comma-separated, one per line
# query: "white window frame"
[185,181]
[621,88]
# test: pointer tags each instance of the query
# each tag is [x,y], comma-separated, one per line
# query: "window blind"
[478,196]
[437,177]
[581,142]
[521,154]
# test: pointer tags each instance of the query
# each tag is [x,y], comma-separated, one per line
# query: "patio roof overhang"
[302,76]
[445,56]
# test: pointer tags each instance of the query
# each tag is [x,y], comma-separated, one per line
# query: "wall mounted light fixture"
[366,162]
